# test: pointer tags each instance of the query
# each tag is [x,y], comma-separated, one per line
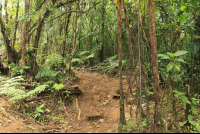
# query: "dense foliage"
[46,39]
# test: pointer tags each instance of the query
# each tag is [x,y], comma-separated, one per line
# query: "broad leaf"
[179,53]
[182,123]
[170,66]
[180,60]
[190,117]
[185,99]
[198,127]
[177,68]
[194,47]
[26,67]
[163,56]
[90,56]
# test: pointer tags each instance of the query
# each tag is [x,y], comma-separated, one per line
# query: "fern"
[37,90]
[84,52]
[75,60]
[90,56]
[111,58]
[45,72]
[54,61]
[58,86]
[12,88]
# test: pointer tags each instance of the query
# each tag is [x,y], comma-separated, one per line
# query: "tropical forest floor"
[95,111]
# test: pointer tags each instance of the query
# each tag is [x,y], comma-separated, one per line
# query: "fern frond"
[37,90]
[9,88]
[58,86]
[45,72]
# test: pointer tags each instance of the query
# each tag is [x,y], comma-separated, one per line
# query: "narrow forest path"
[99,111]
[97,101]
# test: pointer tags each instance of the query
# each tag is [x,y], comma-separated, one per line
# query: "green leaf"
[170,66]
[90,56]
[163,56]
[26,67]
[194,47]
[178,93]
[198,127]
[21,71]
[179,53]
[58,86]
[40,110]
[84,52]
[182,123]
[180,60]
[183,8]
[169,54]
[48,110]
[190,117]
[185,99]
[41,106]
[193,123]
[75,60]
[177,68]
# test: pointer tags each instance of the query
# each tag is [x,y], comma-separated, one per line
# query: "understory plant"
[12,87]
[173,72]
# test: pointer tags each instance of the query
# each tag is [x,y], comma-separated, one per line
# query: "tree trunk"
[74,40]
[12,55]
[25,34]
[101,58]
[16,24]
[158,119]
[6,12]
[122,114]
[66,31]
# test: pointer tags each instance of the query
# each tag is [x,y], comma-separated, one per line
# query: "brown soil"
[95,111]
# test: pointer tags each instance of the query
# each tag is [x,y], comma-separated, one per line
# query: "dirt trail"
[96,101]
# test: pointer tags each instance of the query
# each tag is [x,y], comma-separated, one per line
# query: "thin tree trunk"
[139,58]
[102,32]
[74,40]
[66,31]
[16,24]
[122,114]
[6,12]
[12,55]
[158,118]
[25,34]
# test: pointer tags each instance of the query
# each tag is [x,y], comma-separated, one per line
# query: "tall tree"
[158,118]
[122,114]
[101,58]
[25,34]
[74,39]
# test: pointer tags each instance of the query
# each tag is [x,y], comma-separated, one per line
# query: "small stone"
[101,120]
[108,96]
[105,103]
[116,105]
[106,100]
